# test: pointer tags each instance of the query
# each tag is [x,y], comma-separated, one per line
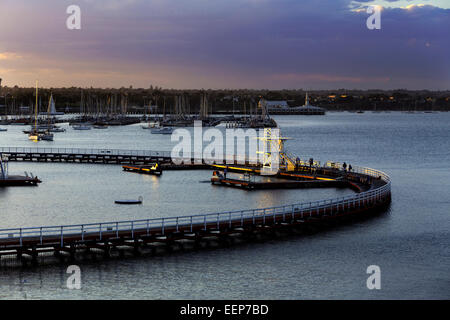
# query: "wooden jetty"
[102,156]
[19,181]
[78,155]
[7,180]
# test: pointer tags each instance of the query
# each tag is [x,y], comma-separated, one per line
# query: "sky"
[230,44]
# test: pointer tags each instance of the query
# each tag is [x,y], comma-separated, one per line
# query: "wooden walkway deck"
[75,155]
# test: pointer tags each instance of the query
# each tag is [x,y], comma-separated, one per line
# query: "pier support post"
[106,250]
[136,250]
[72,251]
[19,254]
[56,252]
[34,255]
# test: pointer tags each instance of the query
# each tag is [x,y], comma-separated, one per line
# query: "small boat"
[165,130]
[82,127]
[139,201]
[57,129]
[151,125]
[19,122]
[3,130]
[153,168]
[35,131]
[47,136]
[101,126]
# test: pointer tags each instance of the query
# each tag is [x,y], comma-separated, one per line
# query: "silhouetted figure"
[311,162]
[344,166]
[350,168]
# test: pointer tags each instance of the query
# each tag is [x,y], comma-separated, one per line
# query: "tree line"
[139,100]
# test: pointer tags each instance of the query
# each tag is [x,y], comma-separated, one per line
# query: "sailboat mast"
[36,107]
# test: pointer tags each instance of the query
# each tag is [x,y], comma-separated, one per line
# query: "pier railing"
[207,221]
[86,151]
[188,157]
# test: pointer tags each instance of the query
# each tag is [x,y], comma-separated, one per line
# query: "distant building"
[282,107]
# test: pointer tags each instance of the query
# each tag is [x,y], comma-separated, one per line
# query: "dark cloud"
[259,43]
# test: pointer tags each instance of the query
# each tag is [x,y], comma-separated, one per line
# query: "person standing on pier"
[311,162]
[344,166]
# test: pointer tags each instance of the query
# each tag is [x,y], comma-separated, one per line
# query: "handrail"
[300,209]
[85,151]
[119,153]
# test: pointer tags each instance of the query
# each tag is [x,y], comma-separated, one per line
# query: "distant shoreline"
[222,101]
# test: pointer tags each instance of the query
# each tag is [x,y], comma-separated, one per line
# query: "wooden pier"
[7,180]
[108,238]
[19,181]
[77,155]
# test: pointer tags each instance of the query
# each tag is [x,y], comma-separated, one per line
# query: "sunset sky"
[274,44]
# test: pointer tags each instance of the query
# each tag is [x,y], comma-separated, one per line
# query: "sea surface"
[409,242]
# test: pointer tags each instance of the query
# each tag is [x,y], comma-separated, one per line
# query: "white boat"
[101,126]
[82,127]
[3,130]
[34,134]
[57,129]
[151,125]
[165,130]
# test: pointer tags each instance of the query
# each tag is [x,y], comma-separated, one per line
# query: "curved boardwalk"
[105,237]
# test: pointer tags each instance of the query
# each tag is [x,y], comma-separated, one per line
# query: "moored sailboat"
[34,133]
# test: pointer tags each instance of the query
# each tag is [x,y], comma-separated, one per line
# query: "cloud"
[241,43]
[326,78]
[9,56]
[404,4]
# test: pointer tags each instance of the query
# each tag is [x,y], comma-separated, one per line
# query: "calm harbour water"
[410,242]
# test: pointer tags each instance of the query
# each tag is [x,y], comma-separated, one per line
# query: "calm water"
[410,243]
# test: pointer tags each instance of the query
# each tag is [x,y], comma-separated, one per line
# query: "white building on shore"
[282,107]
